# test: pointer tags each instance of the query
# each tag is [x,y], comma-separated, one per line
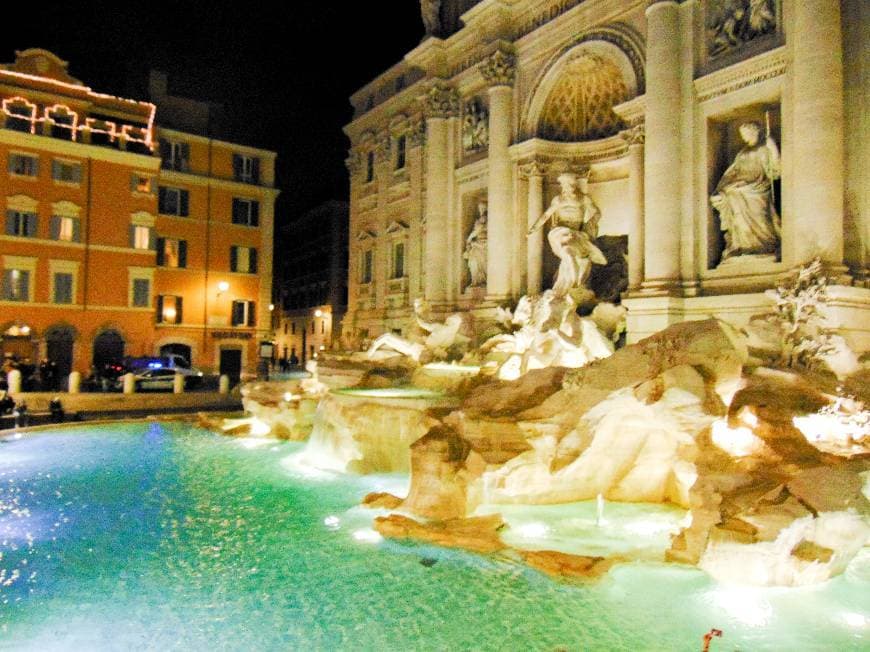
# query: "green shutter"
[161,200]
[252,260]
[54,227]
[182,253]
[77,230]
[252,313]
[255,170]
[179,302]
[159,308]
[255,213]
[32,226]
[161,252]
[234,259]
[183,203]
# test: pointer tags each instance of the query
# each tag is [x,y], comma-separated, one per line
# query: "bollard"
[178,384]
[75,382]
[129,383]
[13,380]
[224,386]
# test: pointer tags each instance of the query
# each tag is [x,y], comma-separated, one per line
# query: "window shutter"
[10,222]
[24,286]
[185,156]
[252,260]
[237,167]
[132,236]
[161,252]
[236,211]
[77,173]
[35,166]
[234,258]
[152,239]
[161,200]
[7,284]
[32,225]
[55,170]
[255,213]
[11,166]
[252,313]
[255,170]
[54,227]
[133,182]
[159,308]
[179,302]
[77,230]
[182,253]
[165,153]
[183,203]
[238,313]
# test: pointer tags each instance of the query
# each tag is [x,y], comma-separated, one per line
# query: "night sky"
[284,77]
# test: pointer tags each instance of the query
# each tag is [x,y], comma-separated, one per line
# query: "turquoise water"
[165,537]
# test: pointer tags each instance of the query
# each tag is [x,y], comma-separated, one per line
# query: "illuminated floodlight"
[318,313]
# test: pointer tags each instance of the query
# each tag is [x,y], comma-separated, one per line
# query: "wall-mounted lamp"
[318,313]
[222,287]
[271,307]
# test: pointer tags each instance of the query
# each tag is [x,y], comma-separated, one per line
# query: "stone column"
[499,71]
[635,139]
[817,129]
[662,187]
[442,103]
[534,172]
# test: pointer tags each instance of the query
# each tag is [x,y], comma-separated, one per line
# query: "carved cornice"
[635,135]
[441,101]
[499,68]
[740,75]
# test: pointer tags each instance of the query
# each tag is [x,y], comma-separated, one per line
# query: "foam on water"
[171,538]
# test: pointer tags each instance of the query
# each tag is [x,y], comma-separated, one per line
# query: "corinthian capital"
[534,168]
[383,146]
[499,68]
[417,133]
[441,101]
[353,162]
[635,135]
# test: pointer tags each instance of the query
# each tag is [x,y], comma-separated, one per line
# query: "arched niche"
[573,98]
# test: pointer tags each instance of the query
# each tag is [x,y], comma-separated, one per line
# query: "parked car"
[171,362]
[154,380]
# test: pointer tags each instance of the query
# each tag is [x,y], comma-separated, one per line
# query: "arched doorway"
[177,348]
[108,348]
[59,342]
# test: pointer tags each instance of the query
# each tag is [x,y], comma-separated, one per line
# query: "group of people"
[42,377]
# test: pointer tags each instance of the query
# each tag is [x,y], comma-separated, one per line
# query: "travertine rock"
[564,565]
[442,466]
[478,534]
[381,500]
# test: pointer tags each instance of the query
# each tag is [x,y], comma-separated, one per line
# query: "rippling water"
[165,537]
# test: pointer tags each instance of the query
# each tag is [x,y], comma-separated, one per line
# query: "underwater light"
[367,536]
[332,522]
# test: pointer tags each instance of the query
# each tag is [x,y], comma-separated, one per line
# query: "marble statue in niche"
[574,217]
[475,248]
[744,196]
[431,10]
[731,23]
[475,126]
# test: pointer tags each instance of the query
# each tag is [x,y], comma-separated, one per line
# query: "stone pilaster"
[499,71]
[817,184]
[441,105]
[662,170]
[534,172]
[635,139]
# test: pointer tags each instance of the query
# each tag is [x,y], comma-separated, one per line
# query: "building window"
[20,115]
[141,237]
[23,165]
[142,183]
[63,288]
[65,229]
[173,201]
[293,328]
[243,259]
[62,122]
[174,155]
[246,168]
[401,147]
[370,167]
[169,309]
[21,224]
[398,260]
[285,328]
[171,252]
[244,313]
[366,270]
[16,285]
[141,293]
[66,171]
[246,212]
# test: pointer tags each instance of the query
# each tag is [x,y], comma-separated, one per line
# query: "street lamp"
[222,287]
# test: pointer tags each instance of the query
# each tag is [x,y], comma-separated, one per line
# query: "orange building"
[123,238]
